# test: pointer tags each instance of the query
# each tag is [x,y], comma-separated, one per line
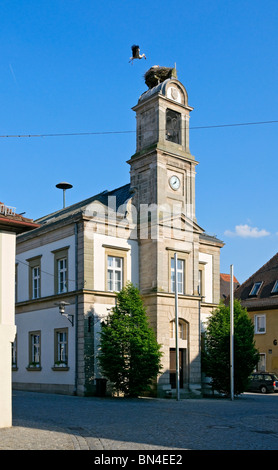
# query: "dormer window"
[275,288]
[255,289]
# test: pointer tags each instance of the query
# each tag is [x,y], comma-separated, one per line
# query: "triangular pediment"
[182,222]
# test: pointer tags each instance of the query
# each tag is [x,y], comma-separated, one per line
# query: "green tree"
[129,354]
[216,354]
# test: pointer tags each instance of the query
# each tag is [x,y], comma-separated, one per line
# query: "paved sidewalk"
[57,422]
[32,438]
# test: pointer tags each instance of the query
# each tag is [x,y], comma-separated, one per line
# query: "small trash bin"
[101,387]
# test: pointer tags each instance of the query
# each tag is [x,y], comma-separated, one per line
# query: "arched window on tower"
[173,126]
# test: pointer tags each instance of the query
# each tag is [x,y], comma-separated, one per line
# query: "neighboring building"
[259,294]
[84,253]
[225,281]
[10,225]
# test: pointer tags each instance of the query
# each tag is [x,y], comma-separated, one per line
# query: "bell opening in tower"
[173,126]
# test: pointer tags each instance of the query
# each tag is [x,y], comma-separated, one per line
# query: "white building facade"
[83,254]
[10,225]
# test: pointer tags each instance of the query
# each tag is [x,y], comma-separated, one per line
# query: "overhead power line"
[236,124]
[132,132]
[68,134]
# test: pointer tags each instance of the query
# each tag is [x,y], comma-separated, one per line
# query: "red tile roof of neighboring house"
[225,285]
[227,277]
[9,220]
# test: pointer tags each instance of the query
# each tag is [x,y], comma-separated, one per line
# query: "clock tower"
[162,180]
[163,169]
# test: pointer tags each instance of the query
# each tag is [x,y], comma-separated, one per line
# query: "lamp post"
[177,329]
[232,330]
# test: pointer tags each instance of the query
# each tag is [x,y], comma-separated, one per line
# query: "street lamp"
[62,304]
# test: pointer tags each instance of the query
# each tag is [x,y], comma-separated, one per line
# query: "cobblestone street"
[60,422]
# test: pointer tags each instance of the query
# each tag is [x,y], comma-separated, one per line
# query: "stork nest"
[157,74]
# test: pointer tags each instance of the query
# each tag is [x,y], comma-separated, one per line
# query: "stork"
[136,54]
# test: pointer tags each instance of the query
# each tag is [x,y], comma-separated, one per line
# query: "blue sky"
[64,70]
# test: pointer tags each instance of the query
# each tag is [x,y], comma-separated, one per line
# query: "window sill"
[60,369]
[34,368]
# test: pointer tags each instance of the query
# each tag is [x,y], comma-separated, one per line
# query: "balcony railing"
[7,210]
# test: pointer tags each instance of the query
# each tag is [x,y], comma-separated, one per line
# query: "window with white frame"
[180,275]
[34,277]
[114,273]
[275,288]
[14,353]
[260,324]
[255,289]
[61,347]
[34,349]
[62,271]
[182,330]
[201,279]
[200,282]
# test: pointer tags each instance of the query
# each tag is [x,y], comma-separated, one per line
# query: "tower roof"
[156,75]
[163,81]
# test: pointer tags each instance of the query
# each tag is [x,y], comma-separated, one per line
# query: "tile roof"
[225,285]
[122,194]
[14,222]
[227,277]
[268,275]
[211,238]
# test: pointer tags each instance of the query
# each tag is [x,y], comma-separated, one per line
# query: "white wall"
[99,257]
[47,268]
[46,321]
[7,327]
[7,277]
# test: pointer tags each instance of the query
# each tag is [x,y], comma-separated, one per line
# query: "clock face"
[174,182]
